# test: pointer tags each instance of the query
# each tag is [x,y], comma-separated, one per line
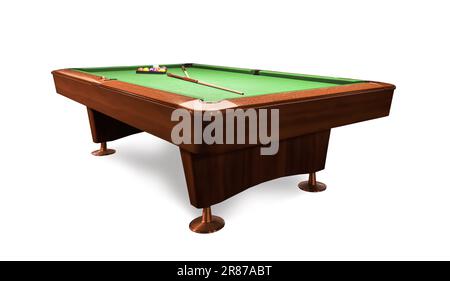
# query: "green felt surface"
[240,79]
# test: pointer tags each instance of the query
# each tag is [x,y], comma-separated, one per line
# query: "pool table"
[121,102]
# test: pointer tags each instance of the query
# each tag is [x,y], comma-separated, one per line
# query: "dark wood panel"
[105,128]
[315,115]
[216,177]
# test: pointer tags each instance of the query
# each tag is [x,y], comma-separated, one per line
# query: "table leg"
[207,223]
[312,185]
[105,129]
[104,150]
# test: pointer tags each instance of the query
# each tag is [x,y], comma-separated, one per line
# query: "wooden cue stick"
[185,71]
[203,83]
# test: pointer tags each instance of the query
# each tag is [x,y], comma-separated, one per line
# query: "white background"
[388,186]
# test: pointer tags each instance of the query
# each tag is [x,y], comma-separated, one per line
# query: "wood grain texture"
[214,178]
